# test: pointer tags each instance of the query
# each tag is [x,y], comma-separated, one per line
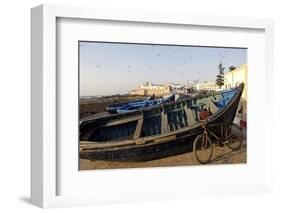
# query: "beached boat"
[158,131]
[137,105]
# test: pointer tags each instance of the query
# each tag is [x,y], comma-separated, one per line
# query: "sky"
[117,68]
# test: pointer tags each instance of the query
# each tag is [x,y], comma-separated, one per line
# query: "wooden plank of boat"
[165,139]
[138,128]
[155,140]
[164,122]
[122,121]
[190,116]
[212,106]
[85,145]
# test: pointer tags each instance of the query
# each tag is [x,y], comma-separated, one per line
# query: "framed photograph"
[129,106]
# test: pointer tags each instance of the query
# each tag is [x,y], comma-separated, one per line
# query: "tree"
[231,68]
[220,76]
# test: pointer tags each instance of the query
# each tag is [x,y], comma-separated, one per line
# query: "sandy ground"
[221,155]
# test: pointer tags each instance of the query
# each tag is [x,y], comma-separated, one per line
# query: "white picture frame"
[44,149]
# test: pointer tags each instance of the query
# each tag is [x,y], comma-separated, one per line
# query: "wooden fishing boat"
[155,132]
[138,105]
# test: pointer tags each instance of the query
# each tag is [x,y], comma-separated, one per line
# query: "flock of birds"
[170,70]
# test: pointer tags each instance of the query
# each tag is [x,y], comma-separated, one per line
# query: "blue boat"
[158,131]
[138,105]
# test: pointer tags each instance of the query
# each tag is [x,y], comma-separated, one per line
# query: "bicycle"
[203,145]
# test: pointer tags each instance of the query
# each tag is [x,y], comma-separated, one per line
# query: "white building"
[151,89]
[235,77]
[159,89]
[207,85]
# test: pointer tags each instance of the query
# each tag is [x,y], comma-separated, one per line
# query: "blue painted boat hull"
[138,105]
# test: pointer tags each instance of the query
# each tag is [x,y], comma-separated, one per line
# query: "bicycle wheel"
[203,149]
[236,137]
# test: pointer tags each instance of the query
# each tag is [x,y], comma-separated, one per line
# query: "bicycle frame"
[203,141]
[223,132]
